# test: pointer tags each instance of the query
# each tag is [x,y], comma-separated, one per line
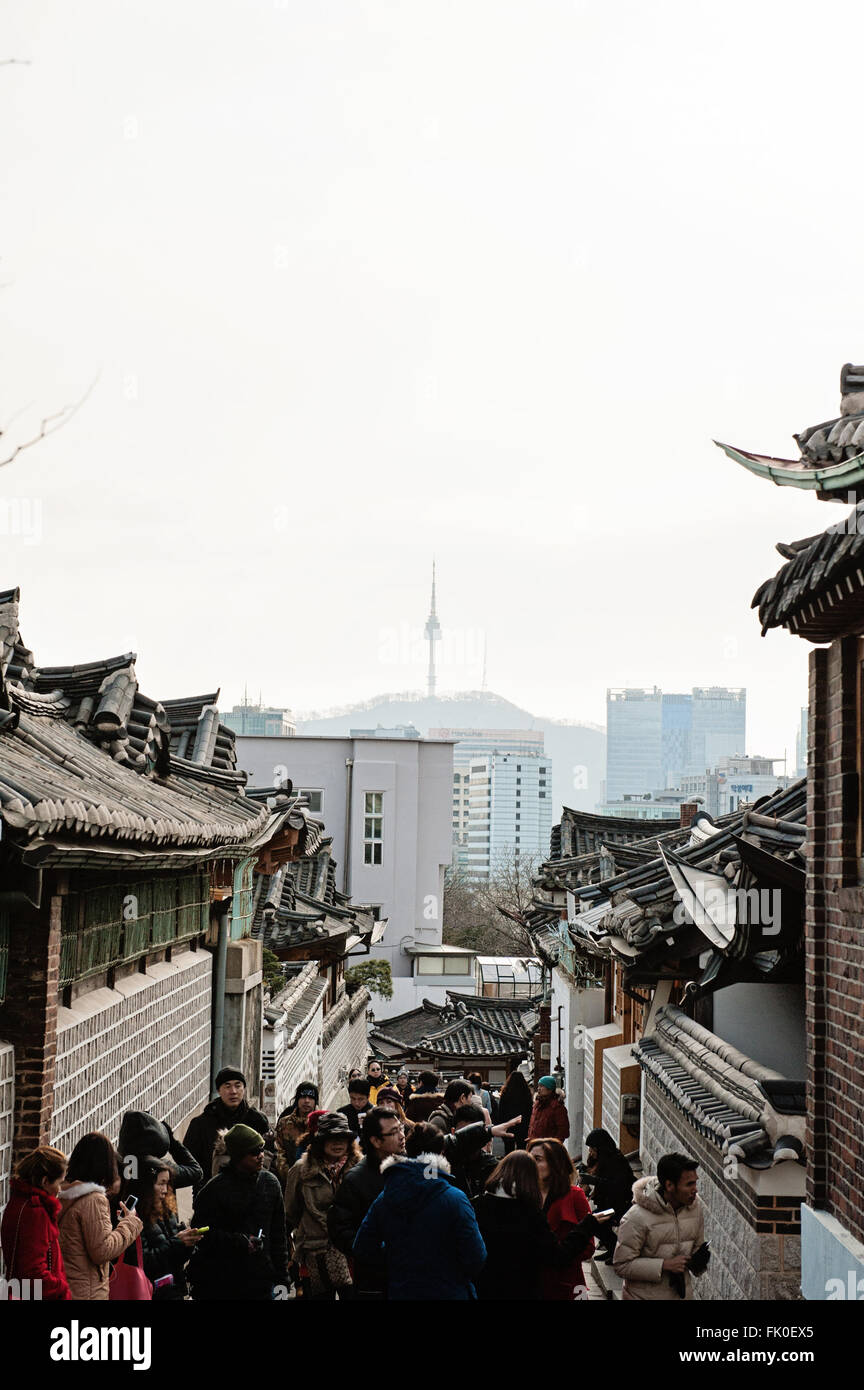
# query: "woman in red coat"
[565,1206]
[28,1232]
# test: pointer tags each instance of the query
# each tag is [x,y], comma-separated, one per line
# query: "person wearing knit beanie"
[549,1082]
[229,1074]
[242,1140]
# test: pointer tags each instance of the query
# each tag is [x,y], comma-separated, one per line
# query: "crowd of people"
[395,1195]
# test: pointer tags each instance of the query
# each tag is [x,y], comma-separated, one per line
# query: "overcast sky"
[364,282]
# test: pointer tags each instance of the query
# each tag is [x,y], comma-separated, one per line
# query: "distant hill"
[578,751]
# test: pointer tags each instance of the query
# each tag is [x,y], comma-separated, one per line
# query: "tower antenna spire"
[433,635]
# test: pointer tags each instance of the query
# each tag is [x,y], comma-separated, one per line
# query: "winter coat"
[470,1174]
[353,1198]
[353,1117]
[651,1232]
[235,1205]
[426,1231]
[422,1104]
[165,1254]
[309,1194]
[612,1184]
[29,1233]
[147,1139]
[376,1087]
[204,1129]
[563,1216]
[89,1242]
[289,1133]
[549,1119]
[509,1106]
[520,1248]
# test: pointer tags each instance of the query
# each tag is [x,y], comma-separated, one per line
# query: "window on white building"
[444,965]
[372,827]
[315,797]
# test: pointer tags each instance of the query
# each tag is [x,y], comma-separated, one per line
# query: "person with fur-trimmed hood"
[292,1128]
[426,1098]
[422,1226]
[661,1239]
[309,1193]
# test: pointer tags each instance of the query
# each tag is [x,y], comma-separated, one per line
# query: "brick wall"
[7,1117]
[28,1019]
[143,1045]
[834,965]
[755,1234]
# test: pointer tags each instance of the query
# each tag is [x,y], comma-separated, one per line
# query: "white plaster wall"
[765,1022]
[832,1260]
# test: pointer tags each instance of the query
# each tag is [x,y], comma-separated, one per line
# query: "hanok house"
[693,963]
[585,848]
[468,1033]
[315,1027]
[127,845]
[818,595]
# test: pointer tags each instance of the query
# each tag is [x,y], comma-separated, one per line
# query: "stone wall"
[344,1044]
[284,1067]
[7,1117]
[754,1231]
[143,1045]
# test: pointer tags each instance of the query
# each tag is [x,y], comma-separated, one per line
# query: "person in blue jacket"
[422,1225]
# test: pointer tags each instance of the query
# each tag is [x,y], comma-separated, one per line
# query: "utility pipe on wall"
[219,994]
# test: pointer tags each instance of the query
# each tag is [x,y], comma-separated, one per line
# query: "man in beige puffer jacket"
[660,1232]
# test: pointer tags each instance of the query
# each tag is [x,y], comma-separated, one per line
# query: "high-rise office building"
[634,742]
[719,726]
[653,739]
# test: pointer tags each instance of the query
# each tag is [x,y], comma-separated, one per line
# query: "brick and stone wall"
[7,1117]
[28,1018]
[143,1045]
[834,967]
[752,1220]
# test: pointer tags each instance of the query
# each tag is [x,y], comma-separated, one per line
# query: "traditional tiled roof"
[466,1026]
[641,918]
[726,1096]
[831,458]
[819,593]
[585,832]
[87,774]
[469,1037]
[284,916]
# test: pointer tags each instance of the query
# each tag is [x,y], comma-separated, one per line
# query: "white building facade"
[387,804]
[502,806]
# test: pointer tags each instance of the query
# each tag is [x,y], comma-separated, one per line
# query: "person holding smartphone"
[166,1244]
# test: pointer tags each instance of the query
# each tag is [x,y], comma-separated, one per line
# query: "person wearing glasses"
[383,1136]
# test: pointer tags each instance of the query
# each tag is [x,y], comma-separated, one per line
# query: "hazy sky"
[364,282]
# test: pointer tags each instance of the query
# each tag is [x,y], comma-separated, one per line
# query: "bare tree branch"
[49,425]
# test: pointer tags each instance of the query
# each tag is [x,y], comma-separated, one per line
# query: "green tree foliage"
[374,974]
[274,979]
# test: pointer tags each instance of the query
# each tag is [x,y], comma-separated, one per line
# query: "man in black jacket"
[382,1136]
[244,1252]
[470,1169]
[230,1108]
[358,1104]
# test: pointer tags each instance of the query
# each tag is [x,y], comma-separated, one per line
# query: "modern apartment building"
[386,801]
[656,739]
[497,810]
[509,810]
